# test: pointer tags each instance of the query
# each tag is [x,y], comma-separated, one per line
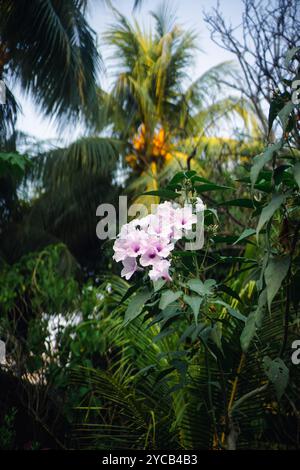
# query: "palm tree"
[155,120]
[160,119]
[50,50]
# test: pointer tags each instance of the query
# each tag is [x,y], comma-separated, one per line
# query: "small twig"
[190,157]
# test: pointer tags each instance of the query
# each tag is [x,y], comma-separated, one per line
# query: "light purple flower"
[120,249]
[184,218]
[158,248]
[137,243]
[129,268]
[162,246]
[150,257]
[166,209]
[160,271]
[144,221]
[129,228]
[150,240]
[159,226]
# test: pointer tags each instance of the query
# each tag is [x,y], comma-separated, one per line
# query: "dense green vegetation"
[202,361]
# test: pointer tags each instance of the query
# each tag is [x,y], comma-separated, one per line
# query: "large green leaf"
[260,161]
[136,305]
[245,234]
[194,301]
[275,106]
[165,316]
[248,332]
[269,210]
[216,335]
[253,322]
[278,373]
[210,187]
[275,273]
[157,285]
[202,288]
[181,175]
[168,297]
[285,113]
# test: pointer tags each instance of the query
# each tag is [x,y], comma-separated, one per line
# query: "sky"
[189,14]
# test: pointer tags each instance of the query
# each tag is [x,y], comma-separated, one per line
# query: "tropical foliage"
[200,358]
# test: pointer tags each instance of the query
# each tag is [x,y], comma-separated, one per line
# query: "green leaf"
[131,290]
[200,179]
[260,310]
[265,187]
[280,174]
[181,175]
[162,193]
[216,335]
[195,303]
[188,332]
[165,316]
[253,322]
[268,211]
[157,285]
[246,233]
[248,332]
[276,105]
[232,311]
[207,185]
[201,288]
[278,373]
[275,273]
[136,305]
[296,173]
[260,161]
[285,113]
[290,55]
[210,187]
[168,297]
[212,212]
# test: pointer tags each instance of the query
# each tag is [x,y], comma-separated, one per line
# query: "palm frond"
[8,117]
[52,53]
[88,156]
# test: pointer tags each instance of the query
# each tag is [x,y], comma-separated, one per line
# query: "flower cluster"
[148,242]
